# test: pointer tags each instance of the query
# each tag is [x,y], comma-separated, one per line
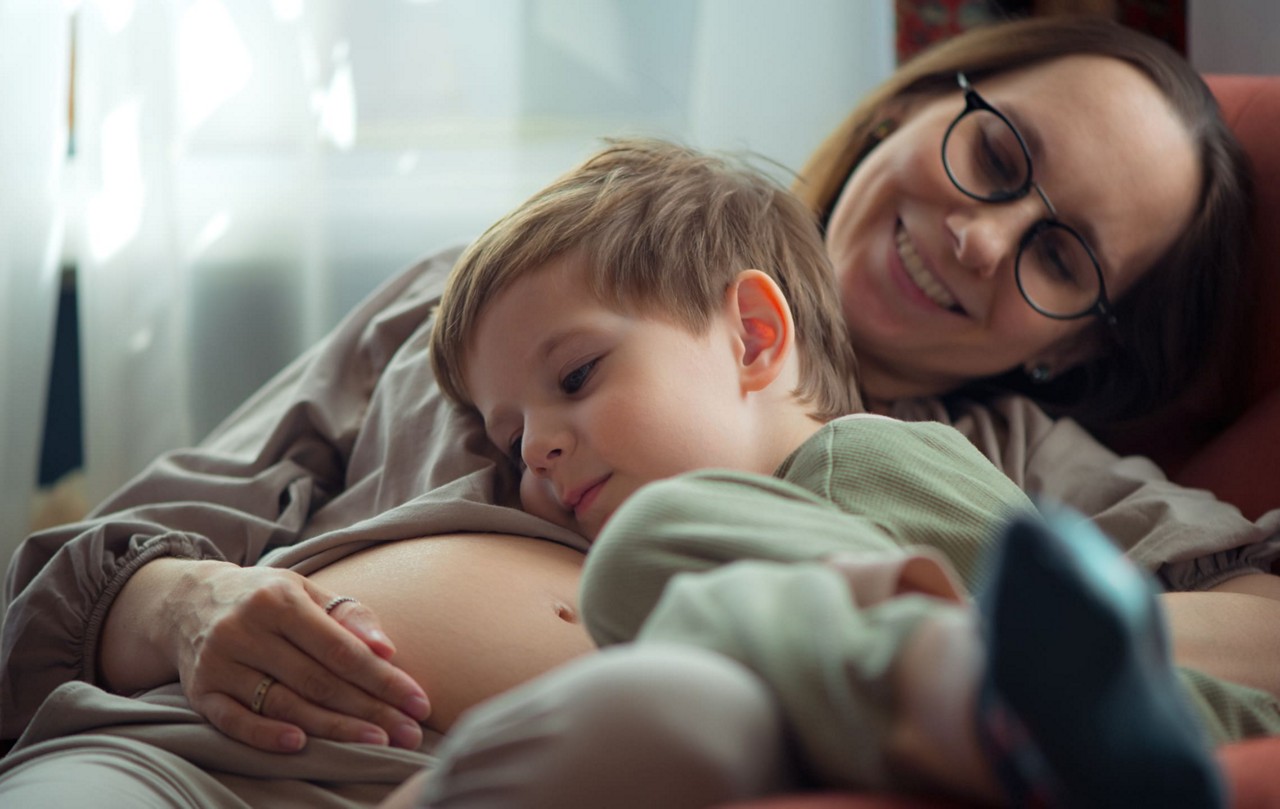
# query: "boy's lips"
[920,274]
[581,498]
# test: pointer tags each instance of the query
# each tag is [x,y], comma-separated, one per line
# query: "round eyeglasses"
[987,159]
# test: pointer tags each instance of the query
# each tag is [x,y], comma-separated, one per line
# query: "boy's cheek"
[537,498]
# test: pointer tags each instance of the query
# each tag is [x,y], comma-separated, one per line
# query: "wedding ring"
[260,693]
[336,600]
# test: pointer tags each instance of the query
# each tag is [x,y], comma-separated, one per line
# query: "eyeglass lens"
[987,160]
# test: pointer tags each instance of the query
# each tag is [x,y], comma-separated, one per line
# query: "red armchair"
[1240,462]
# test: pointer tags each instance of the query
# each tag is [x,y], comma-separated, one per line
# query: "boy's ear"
[762,318]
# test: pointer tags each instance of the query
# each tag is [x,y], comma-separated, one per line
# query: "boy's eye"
[516,453]
[575,379]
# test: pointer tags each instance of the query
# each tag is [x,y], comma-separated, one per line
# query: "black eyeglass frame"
[973,102]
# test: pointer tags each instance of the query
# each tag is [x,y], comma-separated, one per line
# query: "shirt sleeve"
[922,484]
[1187,537]
[250,487]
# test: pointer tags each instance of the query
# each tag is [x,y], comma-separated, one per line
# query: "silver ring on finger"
[335,601]
[260,693]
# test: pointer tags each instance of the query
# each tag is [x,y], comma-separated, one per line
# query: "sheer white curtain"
[252,168]
[33,144]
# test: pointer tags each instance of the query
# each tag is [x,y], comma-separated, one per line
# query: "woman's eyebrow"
[1027,128]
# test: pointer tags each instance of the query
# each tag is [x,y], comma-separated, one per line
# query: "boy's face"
[592,404]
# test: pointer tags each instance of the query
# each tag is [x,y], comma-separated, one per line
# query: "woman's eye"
[575,379]
[1000,156]
[1063,262]
[999,163]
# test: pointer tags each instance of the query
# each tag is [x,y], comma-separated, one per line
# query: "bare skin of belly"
[470,615]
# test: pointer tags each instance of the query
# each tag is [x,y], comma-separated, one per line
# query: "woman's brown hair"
[1180,318]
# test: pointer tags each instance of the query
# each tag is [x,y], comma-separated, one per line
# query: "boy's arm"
[701,521]
[921,484]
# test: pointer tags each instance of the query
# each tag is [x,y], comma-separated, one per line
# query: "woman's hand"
[222,629]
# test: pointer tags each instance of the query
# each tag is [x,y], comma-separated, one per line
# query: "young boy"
[657,312]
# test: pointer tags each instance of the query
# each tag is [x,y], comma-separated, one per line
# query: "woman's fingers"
[347,662]
[329,681]
[230,716]
[363,623]
[284,720]
[330,706]
[287,706]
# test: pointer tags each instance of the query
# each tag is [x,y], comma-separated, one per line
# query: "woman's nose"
[987,236]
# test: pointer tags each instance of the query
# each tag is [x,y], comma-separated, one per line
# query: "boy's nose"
[541,464]
[541,449]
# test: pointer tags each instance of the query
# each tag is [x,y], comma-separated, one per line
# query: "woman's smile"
[919,275]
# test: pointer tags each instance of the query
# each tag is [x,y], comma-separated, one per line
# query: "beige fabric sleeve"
[1188,538]
[351,444]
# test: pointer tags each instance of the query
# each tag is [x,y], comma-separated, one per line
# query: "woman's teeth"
[917,272]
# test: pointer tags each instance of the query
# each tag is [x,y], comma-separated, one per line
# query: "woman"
[946,295]
[319,479]
[1117,351]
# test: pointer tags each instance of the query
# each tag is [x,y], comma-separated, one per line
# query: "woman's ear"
[762,321]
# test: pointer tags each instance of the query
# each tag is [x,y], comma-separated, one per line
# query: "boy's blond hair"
[664,231]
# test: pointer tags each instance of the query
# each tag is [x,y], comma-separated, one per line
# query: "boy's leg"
[825,651]
[850,707]
[831,663]
[631,726]
[899,694]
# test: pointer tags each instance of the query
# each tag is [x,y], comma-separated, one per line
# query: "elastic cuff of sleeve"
[174,545]
[1206,572]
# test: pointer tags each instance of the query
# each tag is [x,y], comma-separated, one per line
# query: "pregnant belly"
[470,615]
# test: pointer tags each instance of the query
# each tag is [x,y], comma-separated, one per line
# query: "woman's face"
[926,274]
